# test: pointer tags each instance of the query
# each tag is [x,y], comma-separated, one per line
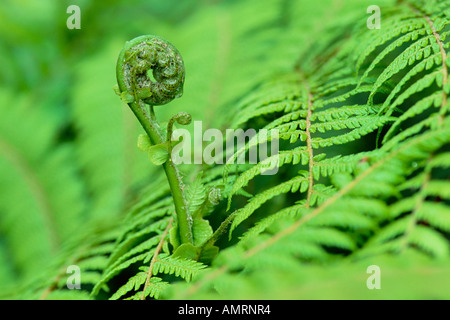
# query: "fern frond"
[134,283]
[394,27]
[38,216]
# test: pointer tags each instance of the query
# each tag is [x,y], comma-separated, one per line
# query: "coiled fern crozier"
[363,167]
[152,54]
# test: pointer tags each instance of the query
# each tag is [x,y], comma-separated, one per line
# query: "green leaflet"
[143,142]
[159,154]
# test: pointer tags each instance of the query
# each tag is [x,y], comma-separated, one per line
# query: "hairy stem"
[151,127]
[153,54]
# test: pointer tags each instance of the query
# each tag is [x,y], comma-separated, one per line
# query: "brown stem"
[154,258]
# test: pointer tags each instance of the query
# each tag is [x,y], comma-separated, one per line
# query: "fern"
[371,179]
[31,191]
[363,128]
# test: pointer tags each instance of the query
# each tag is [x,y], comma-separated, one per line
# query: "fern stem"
[177,187]
[154,258]
[309,145]
[418,205]
[138,57]
[53,285]
[444,70]
[220,230]
[37,191]
[439,42]
[173,176]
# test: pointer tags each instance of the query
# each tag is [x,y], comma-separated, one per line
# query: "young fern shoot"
[138,58]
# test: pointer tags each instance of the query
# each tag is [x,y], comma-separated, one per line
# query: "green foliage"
[363,166]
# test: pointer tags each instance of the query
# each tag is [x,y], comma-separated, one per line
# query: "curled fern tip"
[149,55]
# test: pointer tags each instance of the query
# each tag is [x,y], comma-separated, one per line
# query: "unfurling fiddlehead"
[140,57]
[146,54]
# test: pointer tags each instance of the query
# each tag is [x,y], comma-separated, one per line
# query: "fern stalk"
[155,256]
[138,57]
[309,145]
[444,64]
[418,205]
[444,70]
